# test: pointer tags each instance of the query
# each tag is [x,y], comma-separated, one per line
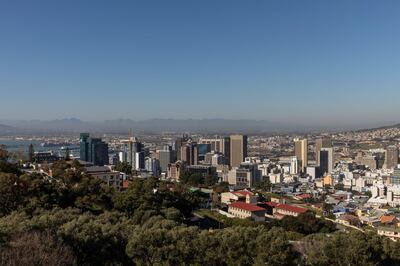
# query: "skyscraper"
[178,145]
[219,145]
[323,142]
[294,165]
[189,153]
[84,146]
[301,152]
[238,149]
[326,160]
[165,158]
[139,160]
[98,151]
[93,150]
[391,157]
[203,150]
[134,147]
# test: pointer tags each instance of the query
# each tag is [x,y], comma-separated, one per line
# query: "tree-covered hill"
[75,219]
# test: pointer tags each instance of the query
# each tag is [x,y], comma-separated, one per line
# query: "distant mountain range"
[150,125]
[5,128]
[75,125]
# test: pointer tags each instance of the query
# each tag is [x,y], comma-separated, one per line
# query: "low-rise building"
[240,195]
[282,210]
[175,170]
[110,177]
[247,211]
[390,232]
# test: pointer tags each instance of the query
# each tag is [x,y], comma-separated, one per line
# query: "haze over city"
[315,63]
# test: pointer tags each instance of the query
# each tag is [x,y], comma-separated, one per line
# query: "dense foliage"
[197,179]
[71,218]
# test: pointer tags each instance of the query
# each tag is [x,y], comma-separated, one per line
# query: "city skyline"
[294,62]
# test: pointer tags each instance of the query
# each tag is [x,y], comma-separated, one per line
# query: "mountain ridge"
[206,125]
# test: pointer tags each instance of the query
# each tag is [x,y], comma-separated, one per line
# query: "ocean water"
[13,145]
[20,145]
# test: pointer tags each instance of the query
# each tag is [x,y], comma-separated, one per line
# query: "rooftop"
[271,204]
[243,193]
[291,208]
[246,206]
[387,219]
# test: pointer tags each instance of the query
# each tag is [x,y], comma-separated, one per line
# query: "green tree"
[67,154]
[264,185]
[306,223]
[31,153]
[352,248]
[123,167]
[36,248]
[12,190]
[339,186]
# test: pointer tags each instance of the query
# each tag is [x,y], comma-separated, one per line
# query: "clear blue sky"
[319,61]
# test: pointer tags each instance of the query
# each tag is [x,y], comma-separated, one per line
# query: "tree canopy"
[71,218]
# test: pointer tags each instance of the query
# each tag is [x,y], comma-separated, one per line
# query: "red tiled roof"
[271,204]
[388,218]
[243,193]
[246,206]
[304,196]
[291,208]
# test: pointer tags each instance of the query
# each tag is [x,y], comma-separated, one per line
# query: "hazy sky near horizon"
[321,61]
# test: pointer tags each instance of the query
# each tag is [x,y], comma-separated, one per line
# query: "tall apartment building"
[301,152]
[391,157]
[323,142]
[238,149]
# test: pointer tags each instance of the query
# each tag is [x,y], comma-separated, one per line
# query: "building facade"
[238,149]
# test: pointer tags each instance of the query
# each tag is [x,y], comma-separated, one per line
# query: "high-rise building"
[152,165]
[178,145]
[93,150]
[326,160]
[134,147]
[323,142]
[139,160]
[189,153]
[84,147]
[301,152]
[294,166]
[368,160]
[238,149]
[395,177]
[165,158]
[122,156]
[203,150]
[391,157]
[98,151]
[219,145]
